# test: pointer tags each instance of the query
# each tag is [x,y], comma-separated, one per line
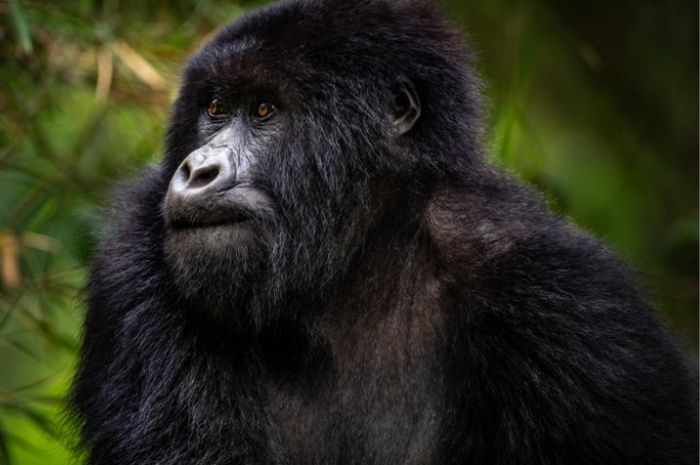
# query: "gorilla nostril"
[185,172]
[203,176]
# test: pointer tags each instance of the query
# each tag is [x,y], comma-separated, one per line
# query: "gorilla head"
[295,136]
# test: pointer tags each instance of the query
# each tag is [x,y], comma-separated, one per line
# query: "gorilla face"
[219,210]
[269,189]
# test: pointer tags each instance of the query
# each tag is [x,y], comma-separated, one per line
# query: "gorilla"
[325,270]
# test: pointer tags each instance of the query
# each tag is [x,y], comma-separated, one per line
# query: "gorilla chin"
[211,239]
[215,267]
[215,246]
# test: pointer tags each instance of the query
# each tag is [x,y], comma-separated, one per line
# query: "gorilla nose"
[201,189]
[201,175]
[213,187]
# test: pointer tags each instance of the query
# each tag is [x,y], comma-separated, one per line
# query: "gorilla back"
[324,270]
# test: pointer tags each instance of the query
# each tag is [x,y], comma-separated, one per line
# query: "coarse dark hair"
[401,302]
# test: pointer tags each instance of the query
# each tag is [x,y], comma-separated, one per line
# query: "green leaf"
[21,26]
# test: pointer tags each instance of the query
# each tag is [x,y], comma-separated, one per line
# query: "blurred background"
[595,102]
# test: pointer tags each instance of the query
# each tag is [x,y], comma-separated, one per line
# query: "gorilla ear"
[406,107]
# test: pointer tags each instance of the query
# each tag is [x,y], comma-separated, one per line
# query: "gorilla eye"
[216,108]
[263,110]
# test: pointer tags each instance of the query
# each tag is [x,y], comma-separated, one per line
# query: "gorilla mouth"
[228,209]
[215,223]
[235,219]
[210,234]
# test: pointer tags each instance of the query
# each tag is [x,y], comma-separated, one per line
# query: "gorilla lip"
[201,223]
[232,207]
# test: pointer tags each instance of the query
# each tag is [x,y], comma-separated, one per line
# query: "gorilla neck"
[397,311]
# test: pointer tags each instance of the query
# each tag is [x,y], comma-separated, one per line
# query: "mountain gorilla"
[324,270]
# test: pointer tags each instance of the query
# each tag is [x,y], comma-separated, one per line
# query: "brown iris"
[264,110]
[216,108]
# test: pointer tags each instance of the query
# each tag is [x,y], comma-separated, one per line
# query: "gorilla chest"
[370,413]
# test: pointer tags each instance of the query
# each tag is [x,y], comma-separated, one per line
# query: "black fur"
[408,304]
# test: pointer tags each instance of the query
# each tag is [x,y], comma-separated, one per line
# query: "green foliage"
[595,104]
